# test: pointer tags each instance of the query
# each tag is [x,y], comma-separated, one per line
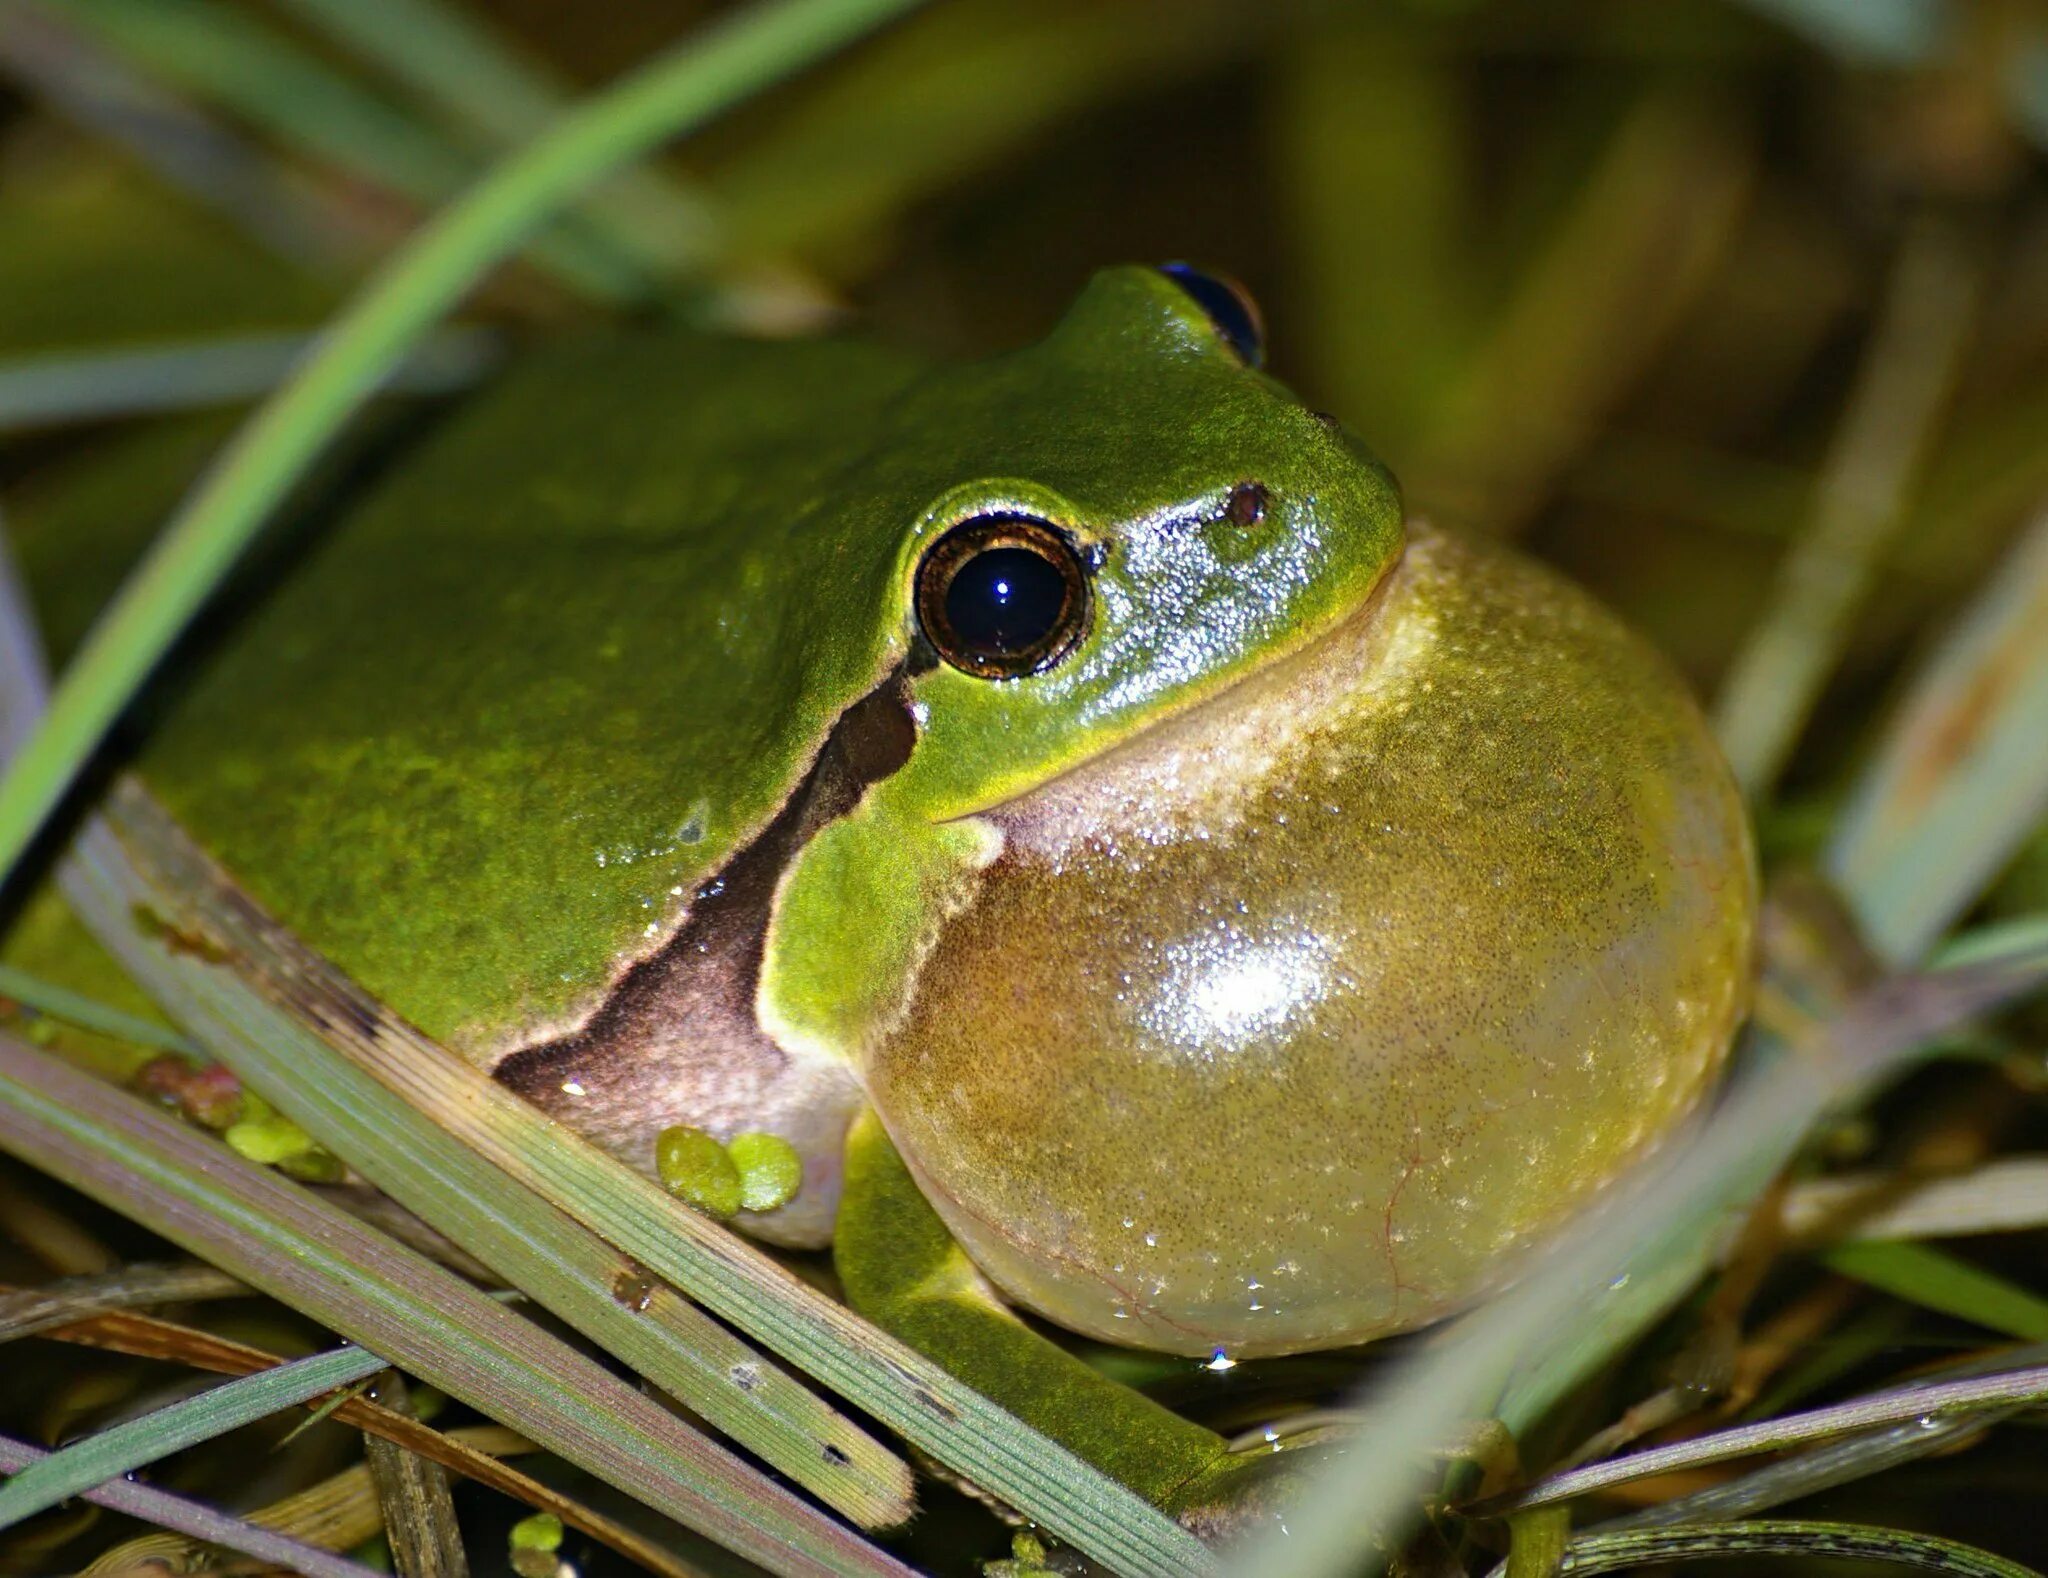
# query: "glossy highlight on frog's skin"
[1390,956]
[1250,925]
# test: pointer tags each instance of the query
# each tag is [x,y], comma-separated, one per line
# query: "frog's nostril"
[1246,505]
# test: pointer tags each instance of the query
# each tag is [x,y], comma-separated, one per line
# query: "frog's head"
[1148,517]
[1284,914]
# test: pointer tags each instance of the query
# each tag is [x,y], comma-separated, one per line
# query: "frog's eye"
[1230,308]
[1002,596]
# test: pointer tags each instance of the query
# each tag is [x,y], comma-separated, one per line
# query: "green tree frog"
[1250,914]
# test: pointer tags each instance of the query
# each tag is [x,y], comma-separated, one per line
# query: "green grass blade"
[710,73]
[199,1523]
[259,1227]
[91,386]
[114,1452]
[1777,674]
[1810,1472]
[227,56]
[460,67]
[1838,1462]
[86,84]
[1835,1542]
[230,57]
[1941,1282]
[1960,779]
[1931,1400]
[453,1135]
[449,56]
[74,1008]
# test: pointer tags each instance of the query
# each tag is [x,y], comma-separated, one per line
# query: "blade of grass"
[74,1008]
[456,63]
[148,1338]
[1960,778]
[2006,1195]
[259,1227]
[114,1452]
[1808,1473]
[1929,1401]
[198,1522]
[452,1123]
[167,135]
[741,54]
[229,57]
[1513,1356]
[1614,277]
[1911,366]
[30,1310]
[412,1493]
[1839,1462]
[1940,1282]
[337,1514]
[91,386]
[1606,1553]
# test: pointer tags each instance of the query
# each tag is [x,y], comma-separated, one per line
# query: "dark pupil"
[1004,600]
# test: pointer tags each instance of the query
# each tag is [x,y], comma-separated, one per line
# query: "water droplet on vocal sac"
[1219,1361]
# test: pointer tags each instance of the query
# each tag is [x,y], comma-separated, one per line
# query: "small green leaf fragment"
[271,1139]
[1537,1540]
[770,1170]
[266,1136]
[695,1168]
[541,1532]
[1027,1559]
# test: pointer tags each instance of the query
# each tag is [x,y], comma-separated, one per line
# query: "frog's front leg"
[677,1041]
[902,1270]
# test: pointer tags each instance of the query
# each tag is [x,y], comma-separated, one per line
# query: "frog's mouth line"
[606,1070]
[1292,671]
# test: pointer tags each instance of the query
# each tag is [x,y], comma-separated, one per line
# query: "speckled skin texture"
[1285,1023]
